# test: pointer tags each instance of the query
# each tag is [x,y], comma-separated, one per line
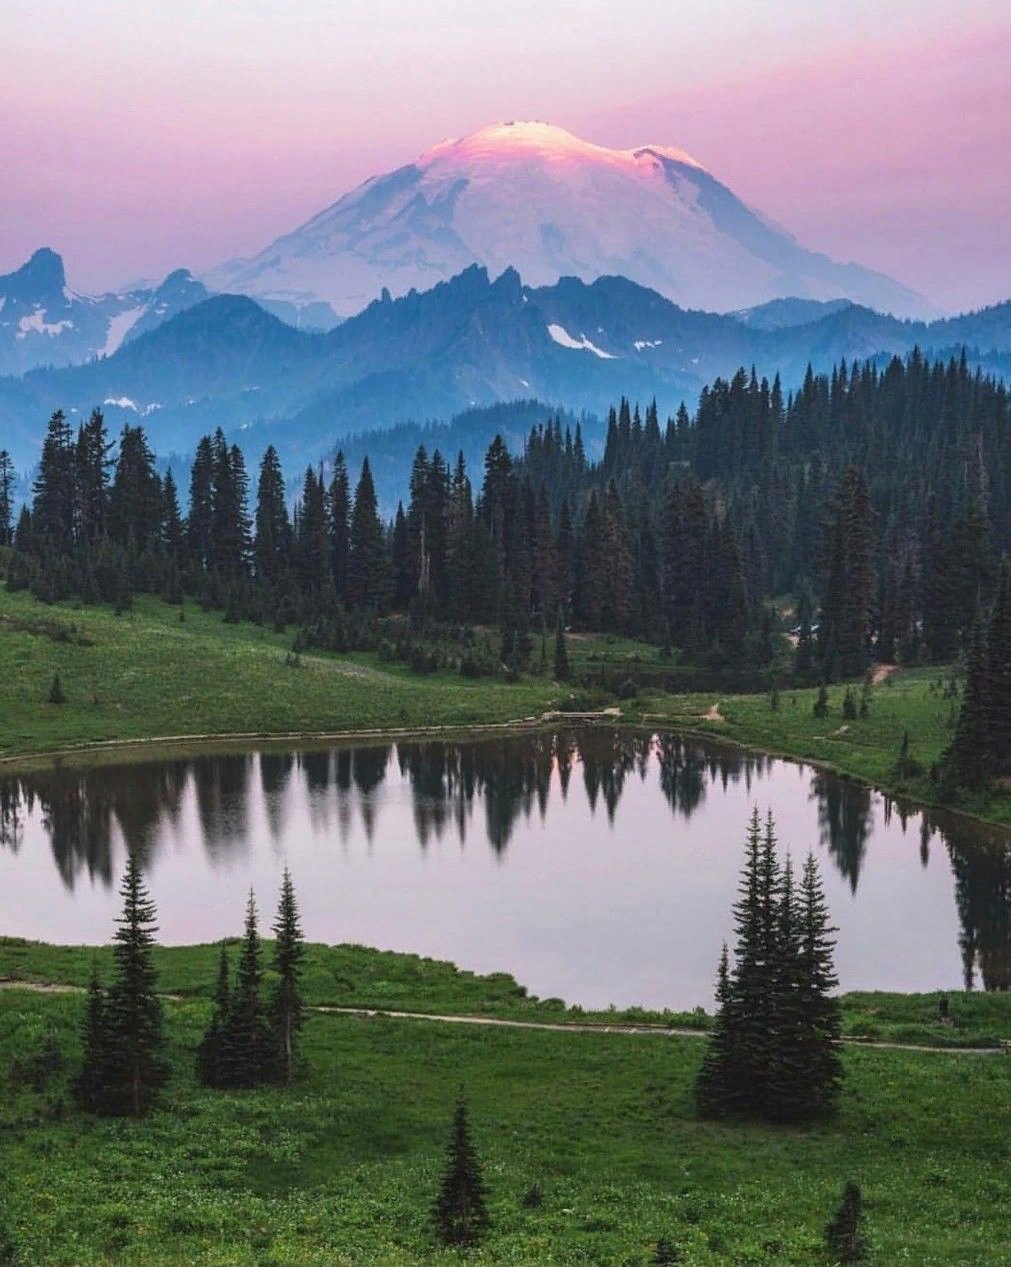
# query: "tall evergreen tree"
[212,1053]
[966,762]
[369,579]
[248,1049]
[460,1214]
[134,1068]
[289,951]
[89,1086]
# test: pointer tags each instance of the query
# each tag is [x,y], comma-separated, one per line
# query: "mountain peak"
[534,196]
[533,139]
[41,276]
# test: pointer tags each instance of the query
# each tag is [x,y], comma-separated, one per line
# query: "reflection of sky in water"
[600,869]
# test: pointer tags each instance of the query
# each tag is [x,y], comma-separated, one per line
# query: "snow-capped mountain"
[536,198]
[44,322]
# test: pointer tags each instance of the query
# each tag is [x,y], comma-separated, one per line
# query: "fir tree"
[715,1088]
[289,951]
[843,1238]
[211,1053]
[134,1069]
[247,1050]
[966,762]
[819,1068]
[459,1214]
[88,1087]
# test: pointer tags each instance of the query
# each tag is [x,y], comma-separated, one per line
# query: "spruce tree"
[211,1053]
[459,1214]
[88,1087]
[819,1070]
[134,1068]
[966,762]
[247,1047]
[289,951]
[715,1089]
[843,1238]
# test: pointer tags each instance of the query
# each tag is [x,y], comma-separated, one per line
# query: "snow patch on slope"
[119,327]
[562,337]
[37,324]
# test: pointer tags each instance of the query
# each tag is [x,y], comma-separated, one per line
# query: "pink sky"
[137,136]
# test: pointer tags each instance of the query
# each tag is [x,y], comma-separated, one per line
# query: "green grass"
[910,701]
[145,674]
[342,1167]
[357,976]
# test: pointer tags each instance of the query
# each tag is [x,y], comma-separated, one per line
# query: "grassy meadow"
[342,1167]
[145,674]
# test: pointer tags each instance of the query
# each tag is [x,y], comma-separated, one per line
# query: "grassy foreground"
[342,1168]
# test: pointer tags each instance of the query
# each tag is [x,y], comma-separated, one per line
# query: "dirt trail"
[554,1027]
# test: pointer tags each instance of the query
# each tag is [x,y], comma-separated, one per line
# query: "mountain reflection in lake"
[593,864]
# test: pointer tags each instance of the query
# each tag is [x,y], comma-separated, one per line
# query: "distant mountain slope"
[470,343]
[44,322]
[536,198]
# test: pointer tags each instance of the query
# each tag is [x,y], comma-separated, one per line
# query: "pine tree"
[819,1068]
[966,762]
[460,1215]
[88,1087]
[289,951]
[247,1047]
[134,1067]
[843,1238]
[369,578]
[715,1087]
[211,1053]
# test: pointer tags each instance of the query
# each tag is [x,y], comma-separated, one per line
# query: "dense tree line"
[880,498]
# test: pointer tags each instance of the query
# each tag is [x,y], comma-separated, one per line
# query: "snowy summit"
[534,197]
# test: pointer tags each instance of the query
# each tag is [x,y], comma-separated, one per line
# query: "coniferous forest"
[864,516]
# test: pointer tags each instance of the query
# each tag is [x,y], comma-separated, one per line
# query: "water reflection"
[507,782]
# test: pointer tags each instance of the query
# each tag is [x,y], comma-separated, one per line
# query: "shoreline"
[122,751]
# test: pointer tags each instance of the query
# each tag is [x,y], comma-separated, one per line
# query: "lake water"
[594,865]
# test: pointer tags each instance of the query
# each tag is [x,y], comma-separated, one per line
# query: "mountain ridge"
[471,342]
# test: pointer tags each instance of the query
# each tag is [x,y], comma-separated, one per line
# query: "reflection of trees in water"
[79,810]
[981,863]
[846,822]
[513,777]
[222,786]
[275,778]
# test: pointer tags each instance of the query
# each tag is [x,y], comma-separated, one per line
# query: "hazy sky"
[141,135]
